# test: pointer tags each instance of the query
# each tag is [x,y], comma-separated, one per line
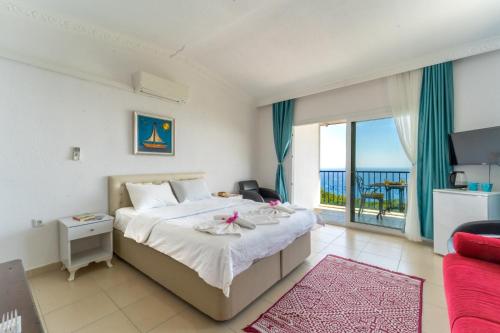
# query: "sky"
[377,146]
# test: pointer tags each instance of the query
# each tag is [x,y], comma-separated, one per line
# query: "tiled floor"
[121,299]
[389,220]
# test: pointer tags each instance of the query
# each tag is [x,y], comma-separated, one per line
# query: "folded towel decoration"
[274,203]
[295,207]
[225,225]
[219,227]
[276,209]
[231,224]
[236,218]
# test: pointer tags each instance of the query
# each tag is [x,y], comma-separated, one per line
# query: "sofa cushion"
[475,325]
[477,246]
[472,291]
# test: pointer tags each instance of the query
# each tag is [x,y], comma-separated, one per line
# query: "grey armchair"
[250,190]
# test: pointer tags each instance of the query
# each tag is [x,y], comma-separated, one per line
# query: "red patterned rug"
[342,295]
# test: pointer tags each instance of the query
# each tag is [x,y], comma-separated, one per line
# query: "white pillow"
[190,190]
[146,196]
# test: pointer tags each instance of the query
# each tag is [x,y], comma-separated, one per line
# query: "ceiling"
[278,49]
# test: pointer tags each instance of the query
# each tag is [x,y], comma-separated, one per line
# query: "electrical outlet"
[36,223]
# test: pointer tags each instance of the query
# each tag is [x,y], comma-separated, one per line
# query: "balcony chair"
[250,190]
[369,192]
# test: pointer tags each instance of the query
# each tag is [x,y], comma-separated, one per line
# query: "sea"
[334,180]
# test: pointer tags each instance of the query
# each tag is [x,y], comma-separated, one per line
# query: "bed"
[186,282]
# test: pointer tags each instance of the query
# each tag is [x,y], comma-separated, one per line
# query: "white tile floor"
[391,220]
[121,299]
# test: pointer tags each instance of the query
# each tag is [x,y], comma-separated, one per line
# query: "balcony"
[380,197]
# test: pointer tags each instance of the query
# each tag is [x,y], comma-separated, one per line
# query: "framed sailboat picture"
[154,134]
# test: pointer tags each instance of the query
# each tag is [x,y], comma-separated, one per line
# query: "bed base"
[185,282]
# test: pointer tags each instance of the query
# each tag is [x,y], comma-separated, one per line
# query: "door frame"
[350,160]
[291,181]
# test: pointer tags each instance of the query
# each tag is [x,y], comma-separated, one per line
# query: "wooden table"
[388,190]
[15,294]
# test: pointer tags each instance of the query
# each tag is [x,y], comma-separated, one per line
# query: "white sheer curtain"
[404,96]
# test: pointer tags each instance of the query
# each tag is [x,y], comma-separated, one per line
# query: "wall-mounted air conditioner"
[152,85]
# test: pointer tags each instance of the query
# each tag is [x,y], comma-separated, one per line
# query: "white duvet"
[216,259]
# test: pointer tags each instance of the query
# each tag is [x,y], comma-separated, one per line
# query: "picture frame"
[154,134]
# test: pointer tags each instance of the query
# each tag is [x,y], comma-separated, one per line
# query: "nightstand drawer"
[90,230]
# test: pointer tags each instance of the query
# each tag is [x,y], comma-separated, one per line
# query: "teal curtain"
[282,129]
[435,125]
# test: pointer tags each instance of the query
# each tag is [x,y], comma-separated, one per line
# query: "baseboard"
[43,269]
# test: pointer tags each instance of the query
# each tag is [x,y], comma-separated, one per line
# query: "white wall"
[266,156]
[44,114]
[368,99]
[477,105]
[305,173]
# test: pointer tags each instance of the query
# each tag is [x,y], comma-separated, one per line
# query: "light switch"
[76,153]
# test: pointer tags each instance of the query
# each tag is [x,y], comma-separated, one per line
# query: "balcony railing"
[333,188]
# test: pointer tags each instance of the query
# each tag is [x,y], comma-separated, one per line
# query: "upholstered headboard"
[117,192]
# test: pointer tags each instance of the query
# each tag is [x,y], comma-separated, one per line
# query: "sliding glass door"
[363,174]
[379,173]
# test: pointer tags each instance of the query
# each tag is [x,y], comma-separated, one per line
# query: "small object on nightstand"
[229,195]
[84,241]
[87,217]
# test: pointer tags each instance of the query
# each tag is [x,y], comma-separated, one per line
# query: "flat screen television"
[480,146]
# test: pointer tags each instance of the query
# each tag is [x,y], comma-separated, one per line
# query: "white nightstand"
[81,243]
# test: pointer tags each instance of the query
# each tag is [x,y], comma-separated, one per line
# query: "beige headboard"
[117,192]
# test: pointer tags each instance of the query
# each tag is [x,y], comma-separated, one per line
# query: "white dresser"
[455,207]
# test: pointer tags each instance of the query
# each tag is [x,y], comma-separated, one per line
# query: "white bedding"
[216,259]
[123,216]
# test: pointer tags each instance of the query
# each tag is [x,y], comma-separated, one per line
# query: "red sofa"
[472,284]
